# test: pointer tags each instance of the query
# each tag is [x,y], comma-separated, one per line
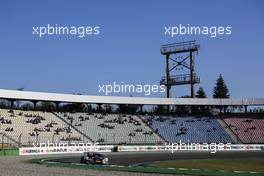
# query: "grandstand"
[112,128]
[28,127]
[189,129]
[248,127]
[23,127]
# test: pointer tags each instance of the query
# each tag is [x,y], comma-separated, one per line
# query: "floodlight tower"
[176,56]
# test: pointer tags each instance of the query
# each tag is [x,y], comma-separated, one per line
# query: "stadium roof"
[72,98]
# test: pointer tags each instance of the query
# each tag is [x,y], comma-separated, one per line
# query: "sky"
[128,46]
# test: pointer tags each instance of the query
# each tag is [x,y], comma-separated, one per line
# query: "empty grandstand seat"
[28,127]
[249,130]
[189,129]
[112,128]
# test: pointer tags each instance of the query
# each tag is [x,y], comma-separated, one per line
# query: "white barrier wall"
[213,148]
[64,150]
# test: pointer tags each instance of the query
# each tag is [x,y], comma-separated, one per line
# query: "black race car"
[93,158]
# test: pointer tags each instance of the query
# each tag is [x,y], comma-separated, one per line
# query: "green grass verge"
[249,164]
[149,168]
[9,152]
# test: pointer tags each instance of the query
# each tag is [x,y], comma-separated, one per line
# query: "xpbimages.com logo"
[116,88]
[78,31]
[212,31]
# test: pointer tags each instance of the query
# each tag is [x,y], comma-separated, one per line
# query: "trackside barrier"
[246,147]
[142,148]
[192,147]
[40,150]
[64,149]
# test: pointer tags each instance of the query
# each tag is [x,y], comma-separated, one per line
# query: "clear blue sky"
[128,47]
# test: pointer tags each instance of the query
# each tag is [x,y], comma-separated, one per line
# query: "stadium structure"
[24,127]
[130,132]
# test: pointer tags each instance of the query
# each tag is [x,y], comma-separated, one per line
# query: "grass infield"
[249,164]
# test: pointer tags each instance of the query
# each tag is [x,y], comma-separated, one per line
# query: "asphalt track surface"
[134,158]
[19,165]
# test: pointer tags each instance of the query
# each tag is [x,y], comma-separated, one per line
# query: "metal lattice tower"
[177,60]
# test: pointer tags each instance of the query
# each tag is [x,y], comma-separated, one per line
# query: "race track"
[133,158]
[19,165]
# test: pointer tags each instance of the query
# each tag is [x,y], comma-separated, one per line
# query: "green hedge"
[9,152]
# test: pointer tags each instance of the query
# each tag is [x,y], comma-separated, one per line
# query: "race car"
[93,158]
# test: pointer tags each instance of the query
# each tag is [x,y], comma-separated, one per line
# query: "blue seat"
[196,130]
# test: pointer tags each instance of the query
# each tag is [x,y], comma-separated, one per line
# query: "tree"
[127,108]
[184,109]
[108,108]
[73,107]
[160,110]
[201,93]
[220,89]
[48,106]
[18,101]
[201,109]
